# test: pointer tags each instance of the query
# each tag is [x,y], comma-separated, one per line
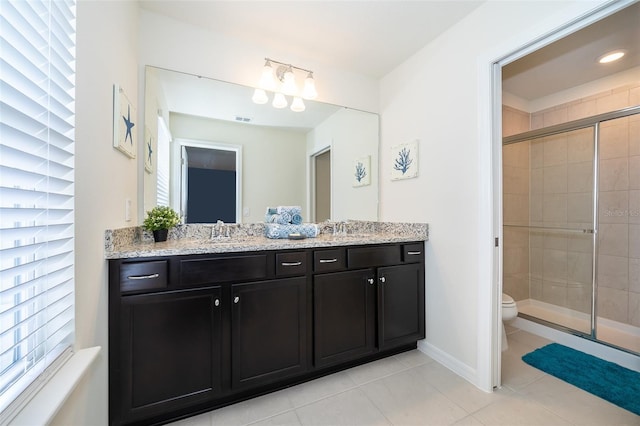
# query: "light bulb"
[279,101]
[309,91]
[297,105]
[611,57]
[267,81]
[260,97]
[289,83]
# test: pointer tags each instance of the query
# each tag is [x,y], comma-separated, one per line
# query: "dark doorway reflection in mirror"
[211,185]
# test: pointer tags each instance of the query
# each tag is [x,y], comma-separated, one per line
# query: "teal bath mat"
[605,379]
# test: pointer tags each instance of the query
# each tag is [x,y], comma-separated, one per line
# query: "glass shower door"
[549,227]
[618,272]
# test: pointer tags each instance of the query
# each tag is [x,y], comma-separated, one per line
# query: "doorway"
[209,178]
[539,241]
[322,186]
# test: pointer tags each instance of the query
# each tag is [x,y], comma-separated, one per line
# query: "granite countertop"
[196,238]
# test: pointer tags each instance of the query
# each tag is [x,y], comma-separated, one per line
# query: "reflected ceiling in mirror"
[221,100]
[276,148]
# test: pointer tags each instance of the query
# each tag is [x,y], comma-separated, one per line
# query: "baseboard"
[453,364]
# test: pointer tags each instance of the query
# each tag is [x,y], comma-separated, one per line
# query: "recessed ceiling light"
[611,56]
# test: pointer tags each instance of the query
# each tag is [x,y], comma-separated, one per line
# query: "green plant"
[161,217]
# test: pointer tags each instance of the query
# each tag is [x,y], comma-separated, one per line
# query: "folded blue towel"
[275,230]
[289,209]
[282,219]
[296,219]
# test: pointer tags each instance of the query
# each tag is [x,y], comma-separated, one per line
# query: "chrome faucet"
[220,230]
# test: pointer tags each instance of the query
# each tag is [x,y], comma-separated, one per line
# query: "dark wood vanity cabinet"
[192,333]
[169,351]
[268,331]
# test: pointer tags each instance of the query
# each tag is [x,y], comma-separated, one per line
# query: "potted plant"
[159,220]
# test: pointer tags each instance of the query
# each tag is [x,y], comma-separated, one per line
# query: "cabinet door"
[400,305]
[170,355]
[344,316]
[268,331]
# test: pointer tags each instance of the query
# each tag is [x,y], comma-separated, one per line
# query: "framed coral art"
[124,118]
[362,171]
[405,161]
[148,150]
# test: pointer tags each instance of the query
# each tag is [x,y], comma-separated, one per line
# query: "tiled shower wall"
[560,181]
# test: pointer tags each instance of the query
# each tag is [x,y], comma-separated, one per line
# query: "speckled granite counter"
[197,238]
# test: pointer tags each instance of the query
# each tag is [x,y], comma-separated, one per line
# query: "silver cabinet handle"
[328,260]
[216,302]
[383,280]
[414,253]
[370,280]
[143,277]
[291,263]
[236,299]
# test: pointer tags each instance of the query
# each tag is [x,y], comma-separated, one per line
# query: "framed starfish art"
[124,122]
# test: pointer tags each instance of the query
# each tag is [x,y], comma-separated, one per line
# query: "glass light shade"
[279,101]
[297,105]
[289,83]
[309,90]
[611,57]
[260,97]
[267,80]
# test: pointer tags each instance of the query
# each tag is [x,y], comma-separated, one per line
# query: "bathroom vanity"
[196,324]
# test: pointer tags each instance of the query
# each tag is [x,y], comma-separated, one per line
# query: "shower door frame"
[585,123]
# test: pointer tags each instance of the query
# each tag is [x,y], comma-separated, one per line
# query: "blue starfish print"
[149,150]
[129,124]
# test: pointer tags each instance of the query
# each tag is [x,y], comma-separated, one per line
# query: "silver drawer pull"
[217,302]
[328,260]
[291,263]
[143,277]
[414,253]
[370,280]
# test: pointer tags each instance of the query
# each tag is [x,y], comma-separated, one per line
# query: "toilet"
[509,312]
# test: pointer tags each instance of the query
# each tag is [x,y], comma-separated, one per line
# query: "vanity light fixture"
[611,56]
[282,81]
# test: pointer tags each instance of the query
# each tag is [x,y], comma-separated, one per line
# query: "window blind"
[163,163]
[37,115]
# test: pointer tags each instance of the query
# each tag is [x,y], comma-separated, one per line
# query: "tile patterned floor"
[413,389]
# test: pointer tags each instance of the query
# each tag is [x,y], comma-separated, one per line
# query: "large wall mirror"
[212,154]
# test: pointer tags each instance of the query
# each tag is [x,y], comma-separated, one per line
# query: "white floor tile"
[290,418]
[407,399]
[319,388]
[350,408]
[518,411]
[575,405]
[412,389]
[375,370]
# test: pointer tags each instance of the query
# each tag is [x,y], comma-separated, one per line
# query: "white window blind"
[37,95]
[163,163]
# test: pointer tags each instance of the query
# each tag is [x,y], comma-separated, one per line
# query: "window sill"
[41,409]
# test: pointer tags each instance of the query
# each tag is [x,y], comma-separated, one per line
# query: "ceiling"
[572,60]
[364,37]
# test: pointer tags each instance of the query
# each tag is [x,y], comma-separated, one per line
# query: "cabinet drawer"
[222,269]
[291,263]
[139,276]
[412,253]
[367,257]
[329,260]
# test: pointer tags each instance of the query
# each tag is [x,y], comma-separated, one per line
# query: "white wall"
[171,44]
[106,53]
[441,96]
[266,179]
[351,134]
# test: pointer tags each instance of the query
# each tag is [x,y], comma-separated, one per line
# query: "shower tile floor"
[413,389]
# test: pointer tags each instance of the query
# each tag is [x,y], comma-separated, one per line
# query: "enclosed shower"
[571,226]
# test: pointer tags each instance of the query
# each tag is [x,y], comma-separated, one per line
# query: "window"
[37,91]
